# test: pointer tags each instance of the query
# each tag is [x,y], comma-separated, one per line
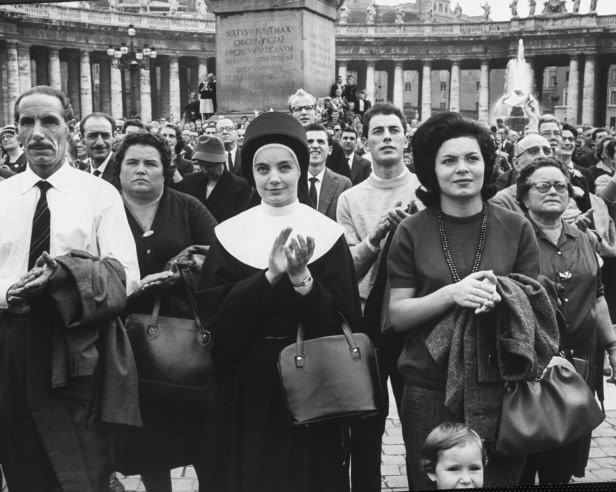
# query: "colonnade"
[582,77]
[160,85]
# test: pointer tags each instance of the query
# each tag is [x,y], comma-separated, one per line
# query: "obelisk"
[267,49]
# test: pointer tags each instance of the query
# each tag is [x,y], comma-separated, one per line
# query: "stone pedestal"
[267,49]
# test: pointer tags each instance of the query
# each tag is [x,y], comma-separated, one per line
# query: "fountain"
[517,107]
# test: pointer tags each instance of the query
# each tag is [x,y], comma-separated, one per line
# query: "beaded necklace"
[480,245]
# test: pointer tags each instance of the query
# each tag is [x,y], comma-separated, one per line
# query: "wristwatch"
[303,283]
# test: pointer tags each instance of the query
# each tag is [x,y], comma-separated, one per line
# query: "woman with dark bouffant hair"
[446,259]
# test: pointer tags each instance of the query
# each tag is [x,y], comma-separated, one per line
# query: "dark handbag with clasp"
[333,377]
[551,412]
[173,356]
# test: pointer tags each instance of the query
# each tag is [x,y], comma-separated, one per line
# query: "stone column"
[4,97]
[145,94]
[588,97]
[25,68]
[454,87]
[164,89]
[85,83]
[55,79]
[105,90]
[398,98]
[175,109]
[202,69]
[12,77]
[484,92]
[117,111]
[426,90]
[342,70]
[573,90]
[369,81]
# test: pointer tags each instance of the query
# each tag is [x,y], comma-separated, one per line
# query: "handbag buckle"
[299,361]
[205,337]
[355,353]
[152,330]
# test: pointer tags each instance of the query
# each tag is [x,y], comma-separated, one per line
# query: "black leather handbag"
[546,414]
[331,377]
[173,356]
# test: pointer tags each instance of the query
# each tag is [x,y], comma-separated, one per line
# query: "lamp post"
[131,61]
[126,59]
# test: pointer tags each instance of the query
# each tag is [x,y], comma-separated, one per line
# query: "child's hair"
[445,436]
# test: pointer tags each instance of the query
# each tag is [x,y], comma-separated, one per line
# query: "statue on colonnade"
[532,5]
[343,14]
[399,14]
[514,8]
[458,11]
[593,5]
[370,14]
[552,7]
[486,10]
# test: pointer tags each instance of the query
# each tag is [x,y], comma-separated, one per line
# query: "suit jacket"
[360,169]
[237,164]
[228,198]
[109,174]
[336,161]
[367,106]
[184,166]
[332,186]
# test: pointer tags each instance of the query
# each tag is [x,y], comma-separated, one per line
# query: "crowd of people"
[418,235]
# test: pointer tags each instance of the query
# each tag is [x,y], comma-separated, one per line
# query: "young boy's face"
[460,467]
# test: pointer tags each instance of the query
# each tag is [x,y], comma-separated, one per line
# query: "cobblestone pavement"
[601,466]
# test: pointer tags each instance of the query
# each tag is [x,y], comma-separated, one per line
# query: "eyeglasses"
[226,128]
[551,133]
[337,129]
[307,107]
[536,150]
[545,186]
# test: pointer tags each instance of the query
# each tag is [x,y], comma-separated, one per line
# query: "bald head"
[529,148]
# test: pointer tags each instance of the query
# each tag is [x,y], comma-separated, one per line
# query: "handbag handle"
[300,357]
[205,335]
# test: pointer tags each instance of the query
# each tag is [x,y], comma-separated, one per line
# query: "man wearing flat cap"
[223,193]
[15,159]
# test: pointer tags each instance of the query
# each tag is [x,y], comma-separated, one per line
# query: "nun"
[270,267]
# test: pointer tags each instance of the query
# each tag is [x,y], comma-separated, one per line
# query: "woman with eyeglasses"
[567,257]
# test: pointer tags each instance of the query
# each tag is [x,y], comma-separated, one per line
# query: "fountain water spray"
[517,107]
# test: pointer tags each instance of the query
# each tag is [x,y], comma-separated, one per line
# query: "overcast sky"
[501,11]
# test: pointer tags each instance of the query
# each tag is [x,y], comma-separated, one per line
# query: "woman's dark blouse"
[573,264]
[181,221]
[416,261]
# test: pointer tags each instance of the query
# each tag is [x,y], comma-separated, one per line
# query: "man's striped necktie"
[40,226]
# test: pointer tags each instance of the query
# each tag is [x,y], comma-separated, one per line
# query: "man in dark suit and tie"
[303,108]
[324,185]
[360,168]
[338,85]
[223,193]
[97,131]
[233,156]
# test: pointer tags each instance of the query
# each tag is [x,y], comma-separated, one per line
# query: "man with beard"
[223,193]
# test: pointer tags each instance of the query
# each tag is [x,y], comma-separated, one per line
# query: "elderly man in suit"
[223,193]
[227,131]
[324,185]
[360,168]
[97,133]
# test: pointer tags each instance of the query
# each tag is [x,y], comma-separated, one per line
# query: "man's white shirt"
[87,213]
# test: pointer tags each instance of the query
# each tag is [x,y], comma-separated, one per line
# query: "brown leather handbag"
[546,414]
[332,377]
[173,356]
